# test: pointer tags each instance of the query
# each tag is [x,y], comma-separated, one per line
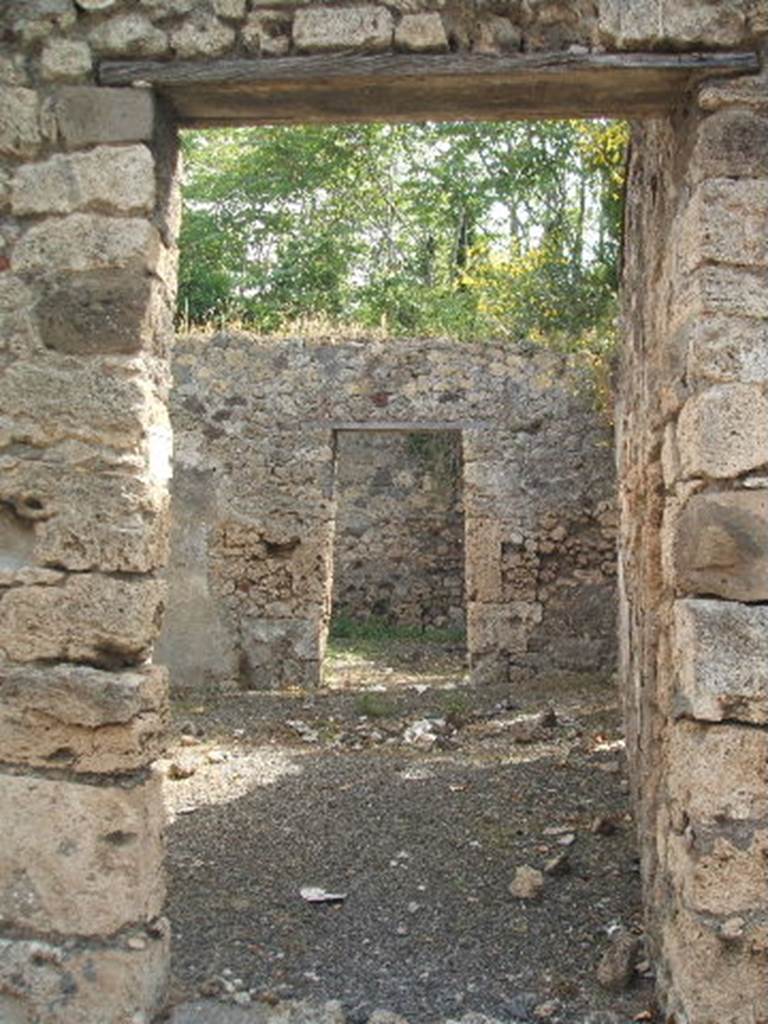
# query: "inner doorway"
[398,597]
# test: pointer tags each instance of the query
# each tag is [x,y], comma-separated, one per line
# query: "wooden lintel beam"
[401,87]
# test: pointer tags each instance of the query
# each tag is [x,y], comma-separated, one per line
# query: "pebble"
[527,883]
[617,964]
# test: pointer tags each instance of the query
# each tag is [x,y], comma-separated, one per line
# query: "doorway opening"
[435,811]
[398,599]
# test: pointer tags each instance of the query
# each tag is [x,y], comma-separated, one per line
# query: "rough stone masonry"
[258,424]
[88,228]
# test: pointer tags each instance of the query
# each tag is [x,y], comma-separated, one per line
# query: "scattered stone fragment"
[617,964]
[567,840]
[181,768]
[386,1017]
[306,733]
[547,1010]
[527,883]
[603,826]
[560,864]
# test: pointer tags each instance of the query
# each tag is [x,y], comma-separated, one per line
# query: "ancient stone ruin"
[257,427]
[91,95]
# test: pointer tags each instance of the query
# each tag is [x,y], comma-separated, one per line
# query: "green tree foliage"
[467,230]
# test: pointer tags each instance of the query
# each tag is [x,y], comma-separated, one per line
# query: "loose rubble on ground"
[406,854]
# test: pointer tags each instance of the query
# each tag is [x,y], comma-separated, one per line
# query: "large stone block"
[88,241]
[105,179]
[80,983]
[721,655]
[731,144]
[725,349]
[80,859]
[721,546]
[100,620]
[96,402]
[719,876]
[715,774]
[715,982]
[87,114]
[725,222]
[723,432]
[102,311]
[19,121]
[367,28]
[82,718]
[82,513]
[719,291]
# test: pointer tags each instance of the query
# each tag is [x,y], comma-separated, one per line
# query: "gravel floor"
[424,840]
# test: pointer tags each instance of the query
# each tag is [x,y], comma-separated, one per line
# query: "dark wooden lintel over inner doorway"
[399,87]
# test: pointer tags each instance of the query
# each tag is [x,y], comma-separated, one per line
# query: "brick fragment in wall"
[98,620]
[367,28]
[105,179]
[86,115]
[103,870]
[100,982]
[721,660]
[82,719]
[721,546]
[723,431]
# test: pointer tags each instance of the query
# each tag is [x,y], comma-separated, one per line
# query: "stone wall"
[256,424]
[398,551]
[88,223]
[693,464]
